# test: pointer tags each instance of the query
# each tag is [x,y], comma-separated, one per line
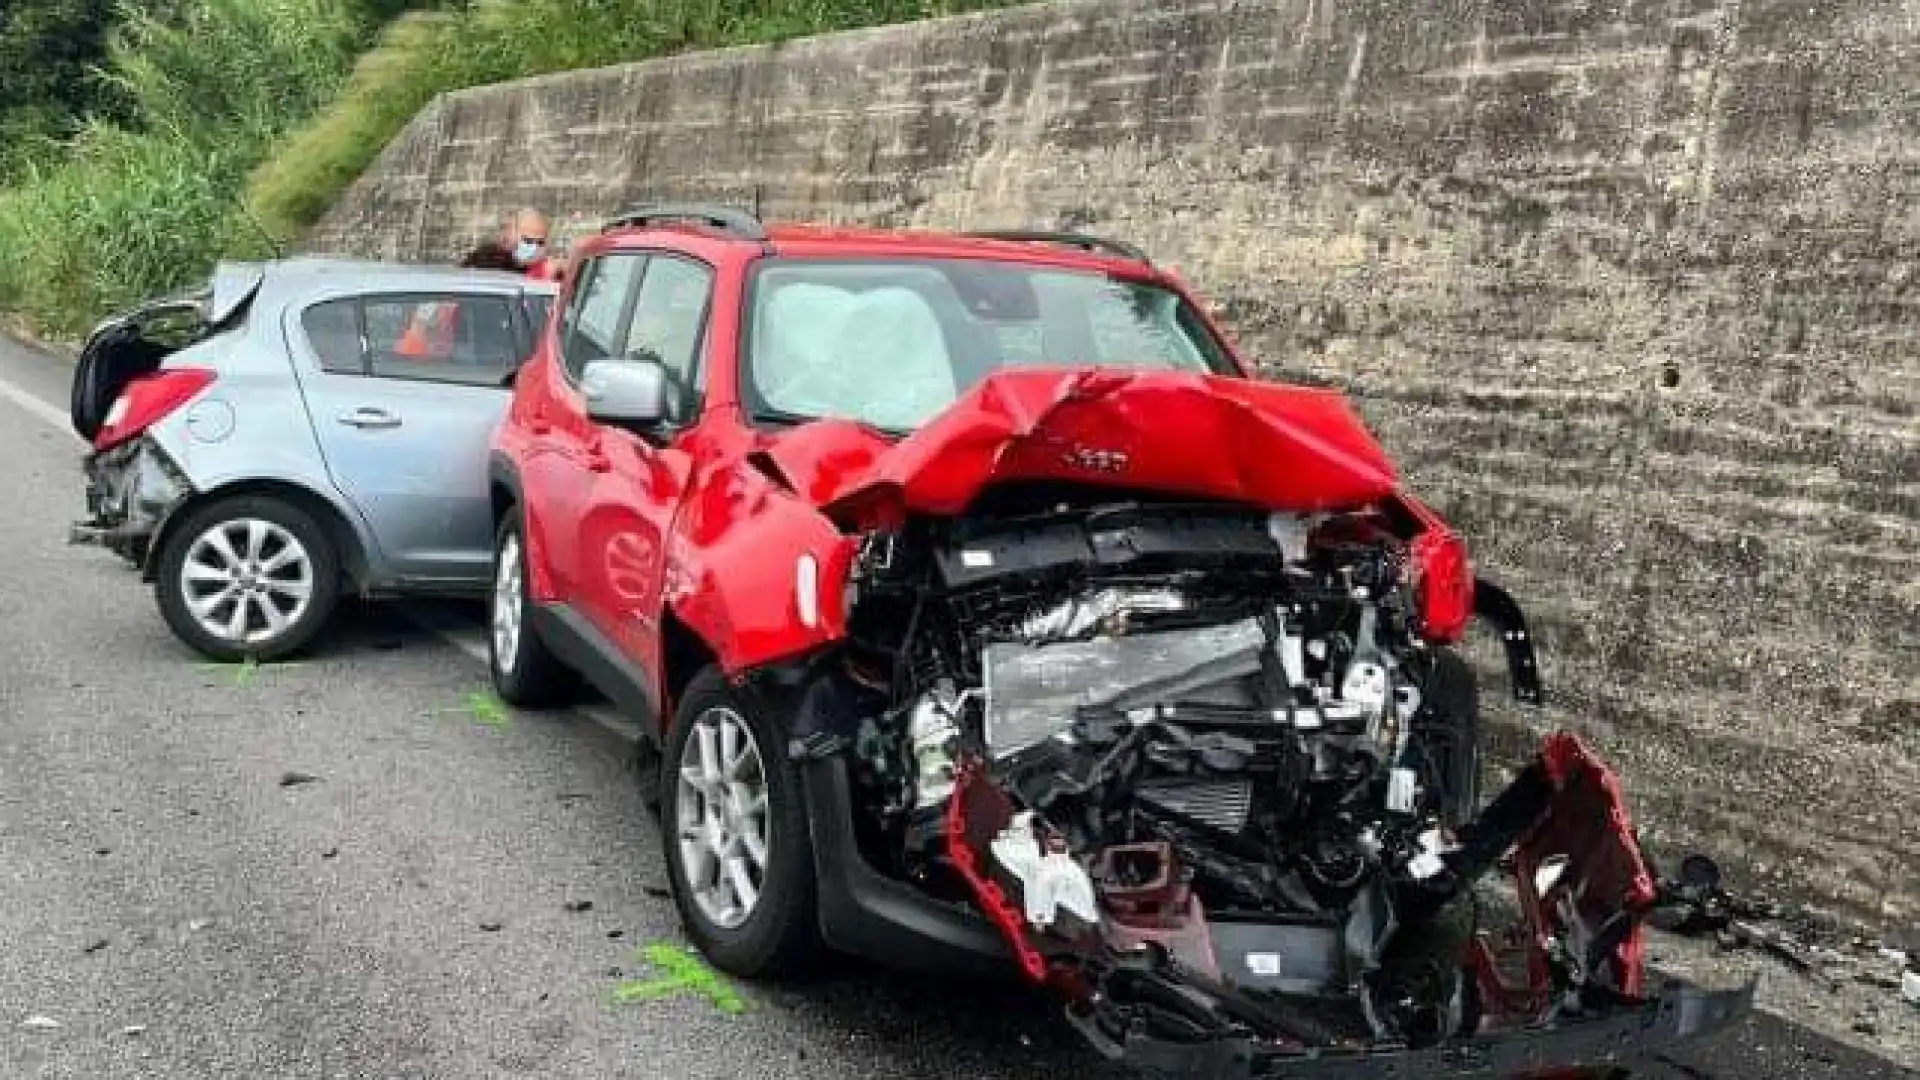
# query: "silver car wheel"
[722,816]
[508,587]
[247,581]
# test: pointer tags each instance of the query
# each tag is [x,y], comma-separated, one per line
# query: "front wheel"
[250,577]
[739,855]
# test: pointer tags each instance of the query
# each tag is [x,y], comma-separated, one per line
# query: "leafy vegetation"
[429,53]
[48,49]
[196,130]
[144,205]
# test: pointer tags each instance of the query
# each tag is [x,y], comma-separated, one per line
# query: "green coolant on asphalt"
[680,974]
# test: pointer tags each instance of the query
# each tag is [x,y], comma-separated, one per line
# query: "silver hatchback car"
[299,430]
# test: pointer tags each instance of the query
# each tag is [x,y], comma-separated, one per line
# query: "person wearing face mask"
[520,245]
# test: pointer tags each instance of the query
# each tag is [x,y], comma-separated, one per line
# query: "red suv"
[982,613]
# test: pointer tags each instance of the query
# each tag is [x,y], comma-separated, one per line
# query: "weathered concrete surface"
[1626,285]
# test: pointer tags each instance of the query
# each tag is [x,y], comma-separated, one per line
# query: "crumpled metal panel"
[1281,447]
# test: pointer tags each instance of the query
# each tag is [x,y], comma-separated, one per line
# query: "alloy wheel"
[722,817]
[246,580]
[508,587]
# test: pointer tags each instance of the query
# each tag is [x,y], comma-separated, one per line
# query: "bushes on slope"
[428,53]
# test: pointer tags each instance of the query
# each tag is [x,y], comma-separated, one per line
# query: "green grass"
[425,54]
[126,213]
[252,116]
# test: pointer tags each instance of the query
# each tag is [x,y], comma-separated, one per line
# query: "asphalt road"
[180,913]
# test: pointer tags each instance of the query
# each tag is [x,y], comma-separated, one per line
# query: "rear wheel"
[739,855]
[525,671]
[248,577]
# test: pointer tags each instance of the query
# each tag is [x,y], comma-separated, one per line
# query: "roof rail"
[726,218]
[1071,239]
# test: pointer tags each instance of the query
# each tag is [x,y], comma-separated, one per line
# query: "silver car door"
[405,390]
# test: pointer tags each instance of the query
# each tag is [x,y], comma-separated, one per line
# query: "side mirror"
[625,393]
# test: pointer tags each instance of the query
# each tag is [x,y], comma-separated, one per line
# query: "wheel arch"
[684,654]
[505,492]
[350,548]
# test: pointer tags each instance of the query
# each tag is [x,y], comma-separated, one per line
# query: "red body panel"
[629,533]
[1181,433]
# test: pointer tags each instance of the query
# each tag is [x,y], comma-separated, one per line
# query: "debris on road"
[95,946]
[616,935]
[245,670]
[483,707]
[490,926]
[1910,987]
[132,1030]
[330,853]
[681,974]
[40,1023]
[1697,905]
[296,779]
[577,906]
[103,851]
[658,892]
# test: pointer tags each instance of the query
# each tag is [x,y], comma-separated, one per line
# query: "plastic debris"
[40,1023]
[1910,987]
[1049,880]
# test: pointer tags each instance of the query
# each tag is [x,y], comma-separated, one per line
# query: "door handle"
[595,458]
[366,416]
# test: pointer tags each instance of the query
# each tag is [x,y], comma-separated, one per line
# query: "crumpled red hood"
[1280,447]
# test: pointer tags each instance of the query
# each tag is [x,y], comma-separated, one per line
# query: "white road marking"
[465,637]
[36,407]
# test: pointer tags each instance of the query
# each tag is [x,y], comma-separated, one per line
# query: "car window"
[893,342]
[440,337]
[597,315]
[333,329]
[538,308]
[669,319]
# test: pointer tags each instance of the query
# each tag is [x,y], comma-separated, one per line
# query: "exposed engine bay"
[1210,775]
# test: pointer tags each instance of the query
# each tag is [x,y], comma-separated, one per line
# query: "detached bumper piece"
[1559,990]
[1595,1042]
[130,490]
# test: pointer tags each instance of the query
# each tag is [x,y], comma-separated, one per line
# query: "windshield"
[892,343]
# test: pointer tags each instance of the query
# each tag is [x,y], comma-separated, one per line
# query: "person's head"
[525,234]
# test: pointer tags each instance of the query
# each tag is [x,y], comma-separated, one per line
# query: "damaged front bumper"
[1559,993]
[130,490]
[1595,1042]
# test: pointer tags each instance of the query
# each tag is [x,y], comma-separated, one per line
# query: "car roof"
[379,274]
[1063,250]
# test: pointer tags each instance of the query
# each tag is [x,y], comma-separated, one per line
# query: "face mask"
[527,251]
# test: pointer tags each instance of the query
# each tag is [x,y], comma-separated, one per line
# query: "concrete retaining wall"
[1628,287]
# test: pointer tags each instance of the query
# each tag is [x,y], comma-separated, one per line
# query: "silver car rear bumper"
[130,489]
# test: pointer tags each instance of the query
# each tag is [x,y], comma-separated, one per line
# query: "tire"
[277,550]
[525,672]
[1453,707]
[778,935]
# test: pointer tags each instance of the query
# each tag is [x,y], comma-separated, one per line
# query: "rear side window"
[597,317]
[333,329]
[447,337]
